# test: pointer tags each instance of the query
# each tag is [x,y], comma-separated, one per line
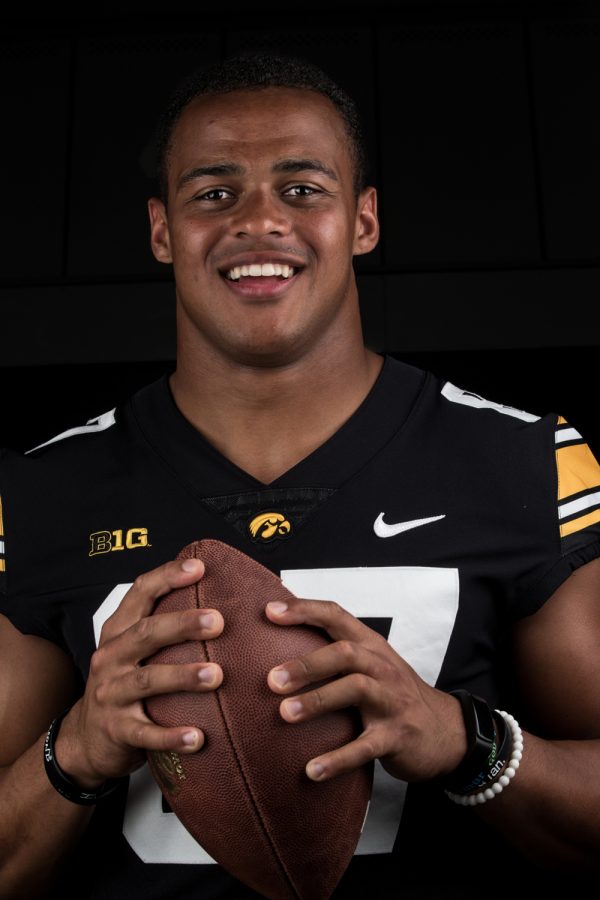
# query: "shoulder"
[81,447]
[537,468]
[547,449]
[462,398]
[482,430]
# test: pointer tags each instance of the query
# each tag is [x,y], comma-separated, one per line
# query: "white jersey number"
[421,605]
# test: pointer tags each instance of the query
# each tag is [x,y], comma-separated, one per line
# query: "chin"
[271,355]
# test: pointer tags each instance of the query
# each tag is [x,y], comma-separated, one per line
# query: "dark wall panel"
[492,309]
[34,94]
[456,144]
[566,66]
[87,323]
[484,143]
[121,88]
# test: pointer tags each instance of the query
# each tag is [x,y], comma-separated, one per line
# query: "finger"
[326,662]
[354,690]
[326,614]
[351,756]
[150,634]
[145,735]
[141,597]
[142,682]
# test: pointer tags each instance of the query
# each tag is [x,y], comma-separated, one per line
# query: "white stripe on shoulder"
[567,434]
[100,423]
[575,506]
[468,398]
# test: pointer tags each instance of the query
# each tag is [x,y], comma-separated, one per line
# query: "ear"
[366,232]
[160,240]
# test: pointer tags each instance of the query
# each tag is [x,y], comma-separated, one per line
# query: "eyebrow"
[304,165]
[284,165]
[210,171]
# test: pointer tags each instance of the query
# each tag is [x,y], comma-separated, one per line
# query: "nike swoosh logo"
[383,530]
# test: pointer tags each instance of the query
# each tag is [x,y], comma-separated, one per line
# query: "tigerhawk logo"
[269,526]
[120,539]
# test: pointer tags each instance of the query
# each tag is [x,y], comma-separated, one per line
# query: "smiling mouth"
[260,270]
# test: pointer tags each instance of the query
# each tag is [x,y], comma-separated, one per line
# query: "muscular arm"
[105,734]
[551,810]
[37,681]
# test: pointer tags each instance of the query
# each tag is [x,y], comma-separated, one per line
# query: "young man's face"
[262,179]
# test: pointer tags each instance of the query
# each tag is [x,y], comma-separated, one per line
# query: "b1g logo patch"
[269,526]
[109,541]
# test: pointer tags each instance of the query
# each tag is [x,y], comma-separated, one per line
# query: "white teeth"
[256,270]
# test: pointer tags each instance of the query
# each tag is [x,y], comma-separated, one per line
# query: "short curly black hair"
[256,71]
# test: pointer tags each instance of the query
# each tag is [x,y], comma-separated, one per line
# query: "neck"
[265,420]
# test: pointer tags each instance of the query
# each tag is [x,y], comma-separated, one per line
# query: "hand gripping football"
[245,796]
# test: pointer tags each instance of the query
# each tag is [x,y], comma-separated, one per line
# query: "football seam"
[255,803]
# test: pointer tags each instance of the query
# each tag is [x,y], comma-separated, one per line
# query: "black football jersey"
[435,516]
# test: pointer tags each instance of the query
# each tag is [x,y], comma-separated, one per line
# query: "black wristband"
[61,782]
[484,741]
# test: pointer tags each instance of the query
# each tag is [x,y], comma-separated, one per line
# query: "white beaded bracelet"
[509,772]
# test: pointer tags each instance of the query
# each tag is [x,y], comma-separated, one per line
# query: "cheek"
[188,250]
[333,237]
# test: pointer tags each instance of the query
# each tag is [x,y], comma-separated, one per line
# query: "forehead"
[256,124]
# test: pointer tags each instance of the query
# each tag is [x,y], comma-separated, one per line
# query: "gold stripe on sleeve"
[561,421]
[2,566]
[578,470]
[581,522]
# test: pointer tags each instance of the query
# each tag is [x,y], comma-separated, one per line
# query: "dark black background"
[484,135]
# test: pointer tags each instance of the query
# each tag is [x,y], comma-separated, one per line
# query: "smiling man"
[447,544]
[261,219]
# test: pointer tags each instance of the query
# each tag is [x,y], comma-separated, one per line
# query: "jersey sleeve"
[577,510]
[578,488]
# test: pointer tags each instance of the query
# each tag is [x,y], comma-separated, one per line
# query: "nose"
[261,213]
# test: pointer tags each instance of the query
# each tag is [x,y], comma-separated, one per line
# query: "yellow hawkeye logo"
[108,541]
[269,526]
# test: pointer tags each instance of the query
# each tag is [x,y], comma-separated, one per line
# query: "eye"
[301,190]
[214,195]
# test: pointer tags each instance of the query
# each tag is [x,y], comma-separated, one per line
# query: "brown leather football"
[245,796]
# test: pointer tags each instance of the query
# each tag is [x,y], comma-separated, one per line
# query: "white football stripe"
[1,546]
[467,398]
[101,423]
[574,506]
[568,434]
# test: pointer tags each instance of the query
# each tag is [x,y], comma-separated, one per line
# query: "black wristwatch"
[486,736]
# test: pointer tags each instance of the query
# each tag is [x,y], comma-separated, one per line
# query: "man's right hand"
[107,733]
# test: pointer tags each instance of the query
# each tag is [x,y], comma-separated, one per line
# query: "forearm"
[550,811]
[38,827]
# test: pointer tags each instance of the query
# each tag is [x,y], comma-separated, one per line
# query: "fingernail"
[190,738]
[190,565]
[206,674]
[314,770]
[207,620]
[293,707]
[278,607]
[280,677]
